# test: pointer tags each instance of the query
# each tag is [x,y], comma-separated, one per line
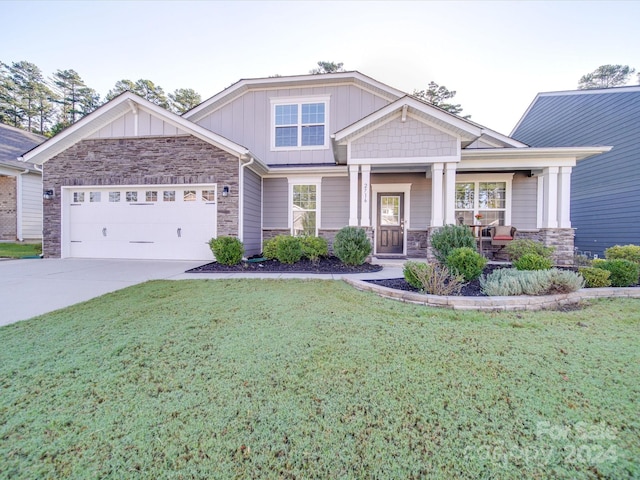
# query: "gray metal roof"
[14,142]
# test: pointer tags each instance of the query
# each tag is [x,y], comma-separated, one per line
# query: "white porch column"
[450,193]
[353,195]
[365,203]
[437,205]
[564,197]
[550,212]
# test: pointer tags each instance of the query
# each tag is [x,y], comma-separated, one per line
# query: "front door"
[390,238]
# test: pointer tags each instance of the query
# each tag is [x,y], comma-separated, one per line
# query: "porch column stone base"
[562,239]
[417,243]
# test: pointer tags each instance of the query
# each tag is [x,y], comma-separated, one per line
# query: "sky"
[496,55]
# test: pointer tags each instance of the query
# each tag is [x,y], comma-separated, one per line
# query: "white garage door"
[149,222]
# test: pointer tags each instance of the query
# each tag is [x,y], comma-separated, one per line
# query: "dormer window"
[299,123]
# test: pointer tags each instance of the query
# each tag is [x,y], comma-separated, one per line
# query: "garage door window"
[114,196]
[169,195]
[95,197]
[78,197]
[189,196]
[209,195]
[151,196]
[132,196]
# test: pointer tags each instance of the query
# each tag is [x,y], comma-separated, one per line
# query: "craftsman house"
[297,155]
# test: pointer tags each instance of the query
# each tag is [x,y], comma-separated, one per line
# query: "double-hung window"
[304,208]
[300,124]
[483,200]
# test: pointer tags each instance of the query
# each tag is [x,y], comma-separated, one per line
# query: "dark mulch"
[470,289]
[324,265]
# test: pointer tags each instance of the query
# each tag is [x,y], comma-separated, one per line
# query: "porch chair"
[501,235]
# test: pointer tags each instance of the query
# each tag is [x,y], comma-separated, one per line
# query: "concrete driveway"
[33,287]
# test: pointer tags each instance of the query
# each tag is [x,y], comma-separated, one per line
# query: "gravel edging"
[521,302]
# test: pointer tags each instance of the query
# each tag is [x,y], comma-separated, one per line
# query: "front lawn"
[313,379]
[19,250]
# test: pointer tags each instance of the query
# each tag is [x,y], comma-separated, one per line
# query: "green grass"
[312,379]
[19,250]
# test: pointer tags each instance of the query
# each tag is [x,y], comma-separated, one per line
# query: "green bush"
[314,247]
[450,237]
[626,252]
[352,246]
[595,277]
[467,262]
[624,273]
[517,248]
[434,279]
[532,261]
[270,247]
[227,250]
[581,261]
[508,281]
[289,249]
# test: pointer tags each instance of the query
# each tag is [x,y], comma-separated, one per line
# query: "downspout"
[241,194]
[19,205]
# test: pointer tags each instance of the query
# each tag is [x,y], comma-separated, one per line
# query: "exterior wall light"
[225,191]
[47,194]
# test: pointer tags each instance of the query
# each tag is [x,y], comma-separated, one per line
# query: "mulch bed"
[470,289]
[324,265]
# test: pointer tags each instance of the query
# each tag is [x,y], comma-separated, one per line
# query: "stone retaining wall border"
[513,303]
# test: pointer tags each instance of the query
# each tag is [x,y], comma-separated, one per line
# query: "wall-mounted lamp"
[47,194]
[225,191]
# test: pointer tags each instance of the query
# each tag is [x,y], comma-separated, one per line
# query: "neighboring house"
[20,187]
[292,155]
[605,205]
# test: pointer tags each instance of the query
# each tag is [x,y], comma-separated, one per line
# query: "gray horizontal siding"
[420,200]
[605,206]
[275,198]
[335,202]
[524,202]
[252,213]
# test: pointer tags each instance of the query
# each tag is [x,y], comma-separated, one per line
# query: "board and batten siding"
[32,206]
[524,202]
[252,213]
[397,139]
[148,126]
[275,206]
[247,119]
[334,210]
[420,199]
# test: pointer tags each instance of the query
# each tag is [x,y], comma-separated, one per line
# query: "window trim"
[299,101]
[317,181]
[478,178]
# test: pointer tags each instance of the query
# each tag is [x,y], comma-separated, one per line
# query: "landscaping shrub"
[625,252]
[467,262]
[288,249]
[581,261]
[517,248]
[595,277]
[352,246]
[624,273]
[227,250]
[532,261]
[450,237]
[314,247]
[508,281]
[270,247]
[434,279]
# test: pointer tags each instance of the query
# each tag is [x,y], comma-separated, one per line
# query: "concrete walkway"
[33,287]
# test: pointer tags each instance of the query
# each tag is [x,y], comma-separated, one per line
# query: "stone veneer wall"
[139,161]
[417,243]
[8,208]
[562,239]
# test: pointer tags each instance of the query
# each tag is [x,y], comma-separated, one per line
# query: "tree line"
[33,102]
